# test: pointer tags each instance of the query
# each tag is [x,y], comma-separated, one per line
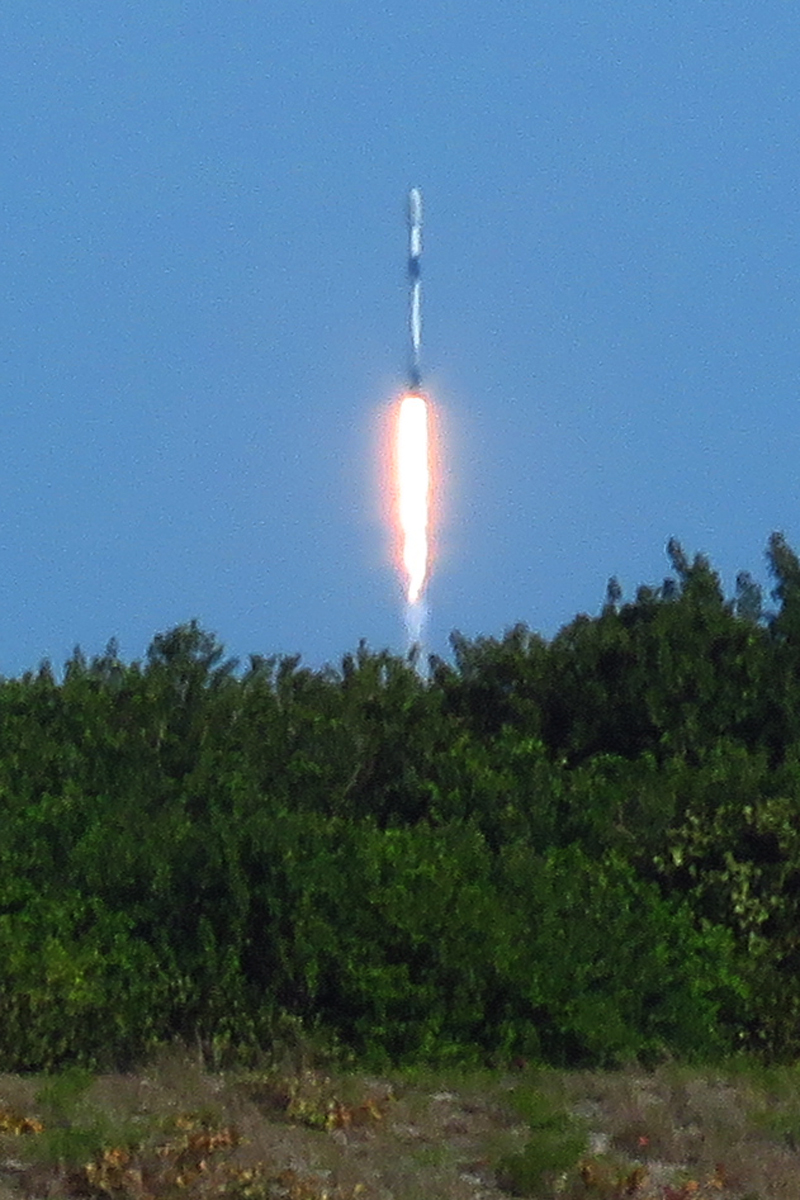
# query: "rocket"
[415,282]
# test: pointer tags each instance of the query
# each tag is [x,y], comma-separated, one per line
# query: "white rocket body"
[414,253]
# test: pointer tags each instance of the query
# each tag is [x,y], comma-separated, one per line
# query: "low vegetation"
[294,1131]
[581,854]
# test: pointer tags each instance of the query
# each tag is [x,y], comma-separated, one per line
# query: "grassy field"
[298,1128]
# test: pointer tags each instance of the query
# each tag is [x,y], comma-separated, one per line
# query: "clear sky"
[203,309]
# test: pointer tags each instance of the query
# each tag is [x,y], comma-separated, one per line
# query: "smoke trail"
[416,615]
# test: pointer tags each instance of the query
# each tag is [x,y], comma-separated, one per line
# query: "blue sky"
[203,309]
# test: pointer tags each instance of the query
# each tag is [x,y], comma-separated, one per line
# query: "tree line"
[582,850]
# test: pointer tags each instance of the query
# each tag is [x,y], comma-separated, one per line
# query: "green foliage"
[583,850]
[59,1094]
[75,1130]
[556,1143]
[735,853]
[609,969]
[78,987]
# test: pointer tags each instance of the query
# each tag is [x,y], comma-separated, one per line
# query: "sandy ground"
[306,1134]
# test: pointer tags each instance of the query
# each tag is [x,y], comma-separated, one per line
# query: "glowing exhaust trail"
[413,485]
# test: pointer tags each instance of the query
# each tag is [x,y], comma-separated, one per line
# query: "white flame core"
[413,472]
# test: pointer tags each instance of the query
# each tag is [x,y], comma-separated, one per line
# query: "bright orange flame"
[413,488]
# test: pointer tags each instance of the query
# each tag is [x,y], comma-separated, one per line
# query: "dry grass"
[306,1132]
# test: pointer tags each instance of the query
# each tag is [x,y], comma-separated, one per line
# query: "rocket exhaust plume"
[412,447]
[413,486]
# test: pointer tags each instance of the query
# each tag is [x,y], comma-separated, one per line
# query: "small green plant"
[774,1106]
[556,1143]
[61,1093]
[73,1145]
[75,1131]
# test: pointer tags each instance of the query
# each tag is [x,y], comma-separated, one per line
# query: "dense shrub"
[582,850]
